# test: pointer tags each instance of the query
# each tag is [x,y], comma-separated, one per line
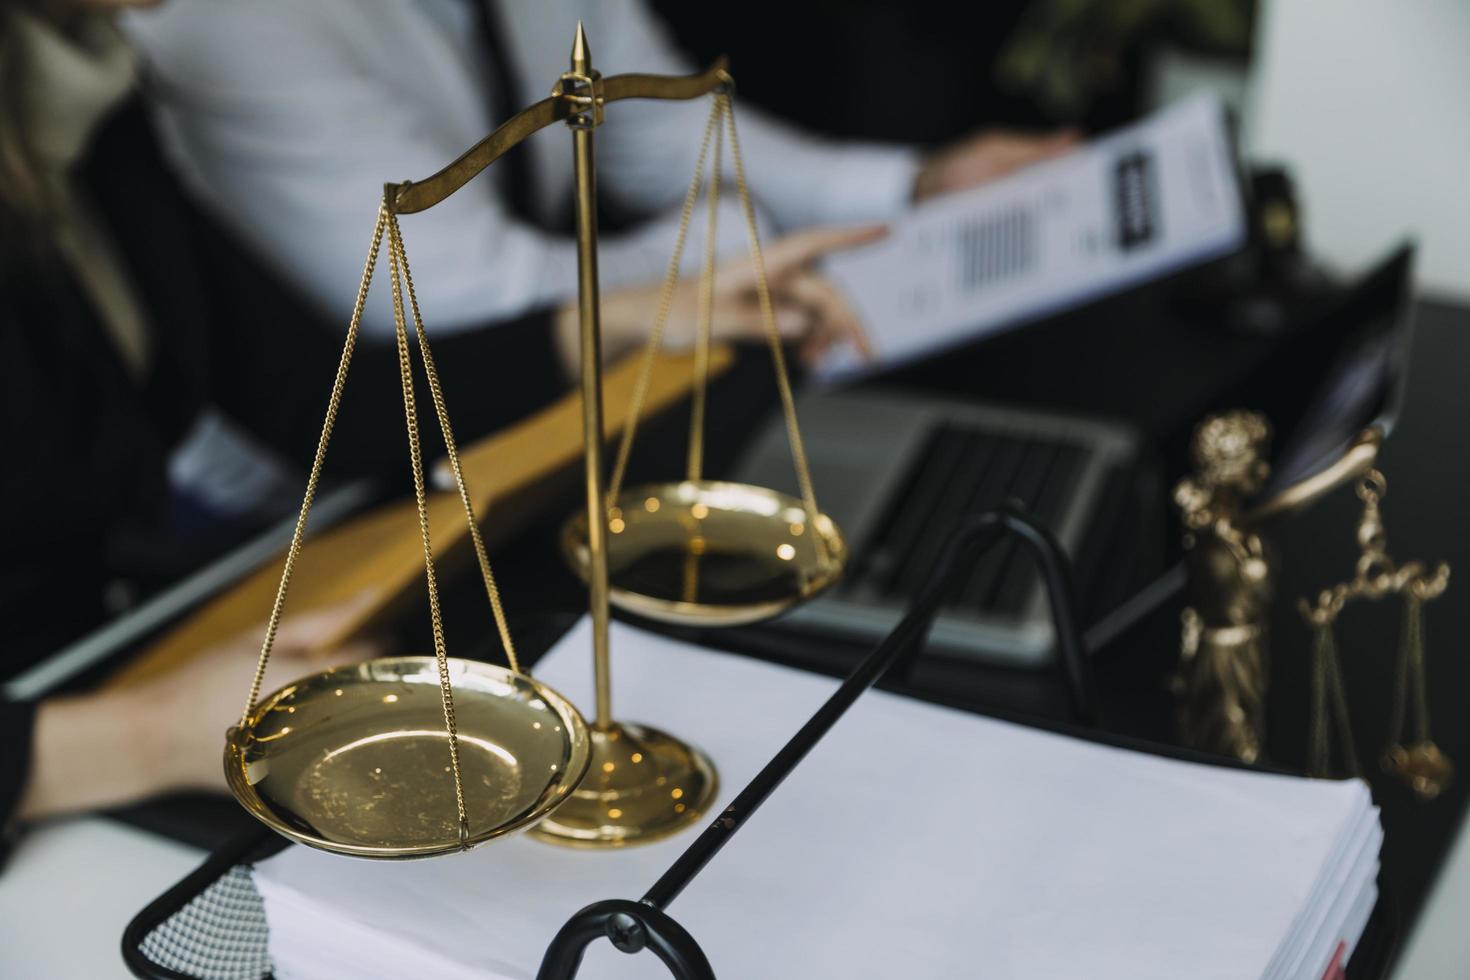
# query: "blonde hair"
[26,204]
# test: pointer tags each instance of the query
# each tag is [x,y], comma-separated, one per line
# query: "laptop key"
[978,452]
[1057,488]
[991,569]
[904,522]
[991,492]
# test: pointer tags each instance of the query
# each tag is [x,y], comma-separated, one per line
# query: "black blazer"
[85,446]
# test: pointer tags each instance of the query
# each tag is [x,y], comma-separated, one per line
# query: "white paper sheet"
[1152,197]
[914,842]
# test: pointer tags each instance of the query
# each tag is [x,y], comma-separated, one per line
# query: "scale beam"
[410,197]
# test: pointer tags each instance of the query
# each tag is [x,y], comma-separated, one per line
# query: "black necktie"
[514,169]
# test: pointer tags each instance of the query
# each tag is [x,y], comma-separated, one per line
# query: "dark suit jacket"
[85,446]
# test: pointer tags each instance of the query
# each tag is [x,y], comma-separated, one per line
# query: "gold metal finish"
[704,325]
[665,87]
[661,315]
[641,787]
[1358,459]
[584,164]
[703,552]
[487,575]
[773,336]
[1221,682]
[646,784]
[354,760]
[707,553]
[1419,762]
[413,196]
[333,404]
[410,414]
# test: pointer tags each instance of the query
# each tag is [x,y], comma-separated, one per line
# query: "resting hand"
[986,156]
[122,744]
[809,310]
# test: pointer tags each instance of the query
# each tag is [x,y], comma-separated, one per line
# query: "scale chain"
[333,404]
[487,574]
[410,412]
[722,115]
[1317,749]
[778,354]
[1337,695]
[1329,708]
[1416,651]
[661,316]
[705,323]
[1376,576]
[1401,675]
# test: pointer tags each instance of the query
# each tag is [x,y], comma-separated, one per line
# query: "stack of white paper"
[914,841]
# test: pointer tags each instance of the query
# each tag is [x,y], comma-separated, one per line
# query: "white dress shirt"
[286,117]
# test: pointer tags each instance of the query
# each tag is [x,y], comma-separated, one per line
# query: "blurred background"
[1362,102]
[1350,117]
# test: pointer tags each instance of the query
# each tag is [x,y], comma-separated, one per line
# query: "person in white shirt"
[286,117]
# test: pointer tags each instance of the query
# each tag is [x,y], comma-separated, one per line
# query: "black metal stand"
[635,926]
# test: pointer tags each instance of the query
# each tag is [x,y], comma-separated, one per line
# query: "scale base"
[642,786]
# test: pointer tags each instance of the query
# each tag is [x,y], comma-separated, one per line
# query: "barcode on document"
[997,247]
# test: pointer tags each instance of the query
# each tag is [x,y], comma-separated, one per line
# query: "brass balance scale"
[404,757]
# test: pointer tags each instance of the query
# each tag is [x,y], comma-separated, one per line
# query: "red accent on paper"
[1337,970]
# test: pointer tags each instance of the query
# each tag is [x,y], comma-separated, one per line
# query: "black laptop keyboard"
[962,470]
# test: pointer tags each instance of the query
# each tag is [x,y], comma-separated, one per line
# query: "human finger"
[740,317]
[835,318]
[799,249]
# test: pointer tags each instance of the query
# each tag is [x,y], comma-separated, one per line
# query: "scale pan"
[355,760]
[709,553]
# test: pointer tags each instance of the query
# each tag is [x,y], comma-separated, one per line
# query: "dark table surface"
[1141,359]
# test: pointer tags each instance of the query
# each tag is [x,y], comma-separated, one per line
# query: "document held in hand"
[1147,199]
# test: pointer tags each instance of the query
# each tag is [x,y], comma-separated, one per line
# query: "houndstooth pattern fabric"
[220,935]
